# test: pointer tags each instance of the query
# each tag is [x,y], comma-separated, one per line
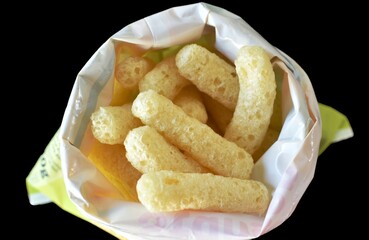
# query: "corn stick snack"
[131,70]
[167,191]
[164,78]
[255,102]
[190,135]
[209,73]
[148,151]
[111,124]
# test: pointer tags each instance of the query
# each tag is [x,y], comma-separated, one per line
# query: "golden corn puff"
[254,108]
[167,191]
[123,95]
[148,151]
[210,73]
[111,124]
[198,140]
[164,78]
[131,70]
[190,100]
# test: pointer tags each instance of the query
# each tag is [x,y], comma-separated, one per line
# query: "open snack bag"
[93,179]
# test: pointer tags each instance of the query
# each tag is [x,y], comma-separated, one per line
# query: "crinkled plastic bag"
[287,167]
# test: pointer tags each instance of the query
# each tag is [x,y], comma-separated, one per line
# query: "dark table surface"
[58,41]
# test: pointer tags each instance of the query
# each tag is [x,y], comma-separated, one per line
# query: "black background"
[52,43]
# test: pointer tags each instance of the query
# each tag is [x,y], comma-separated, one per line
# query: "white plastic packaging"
[286,168]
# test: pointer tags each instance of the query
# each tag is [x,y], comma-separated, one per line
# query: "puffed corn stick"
[210,73]
[254,108]
[111,124]
[131,70]
[166,191]
[164,78]
[148,151]
[190,135]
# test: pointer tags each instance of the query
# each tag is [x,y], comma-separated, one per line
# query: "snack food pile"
[188,109]
[189,132]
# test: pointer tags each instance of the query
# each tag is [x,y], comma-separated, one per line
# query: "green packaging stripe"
[335,127]
[45,182]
